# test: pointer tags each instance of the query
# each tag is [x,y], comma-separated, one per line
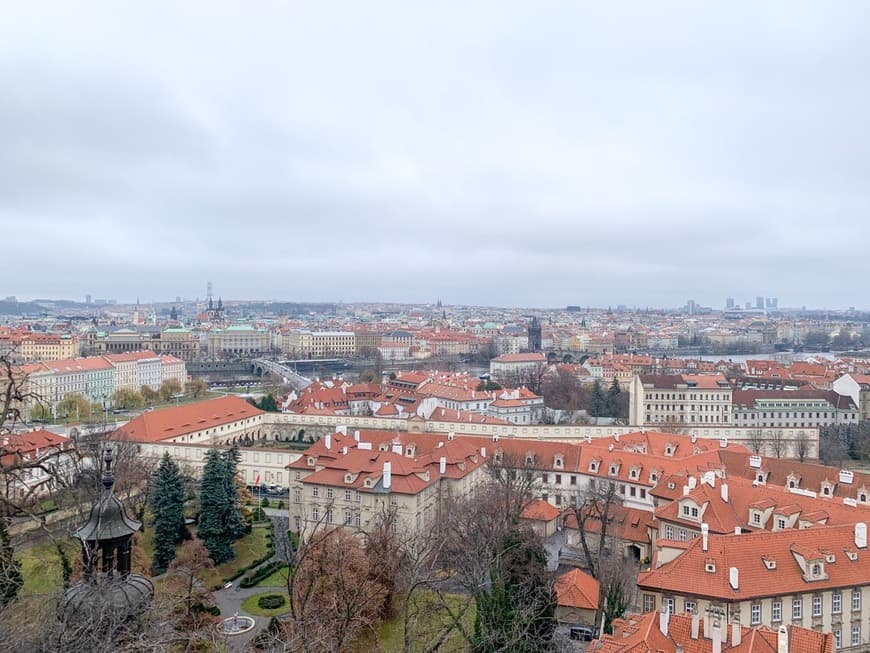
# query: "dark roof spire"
[108,476]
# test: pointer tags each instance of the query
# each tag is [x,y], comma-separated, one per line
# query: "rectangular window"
[330,493]
[669,532]
[776,611]
[836,602]
[682,535]
[394,500]
[669,605]
[315,491]
[838,639]
[649,602]
[755,614]
[856,599]
[329,516]
[856,635]
[315,513]
[297,496]
[797,608]
[347,517]
[690,607]
[817,606]
[558,479]
[347,495]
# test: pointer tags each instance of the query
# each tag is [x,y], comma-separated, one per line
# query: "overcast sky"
[530,154]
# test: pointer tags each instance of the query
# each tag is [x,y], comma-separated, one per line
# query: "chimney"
[664,621]
[736,634]
[716,637]
[388,476]
[782,639]
[451,435]
[724,490]
[694,438]
[734,578]
[344,450]
[705,535]
[341,429]
[483,452]
[696,625]
[693,482]
[327,441]
[686,489]
[616,437]
[861,535]
[737,530]
[356,435]
[442,465]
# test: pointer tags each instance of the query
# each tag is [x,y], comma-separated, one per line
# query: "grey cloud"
[499,153]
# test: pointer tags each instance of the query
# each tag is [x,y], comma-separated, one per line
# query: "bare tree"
[514,479]
[755,440]
[802,446]
[597,502]
[777,442]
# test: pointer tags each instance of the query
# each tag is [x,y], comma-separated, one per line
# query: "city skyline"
[501,156]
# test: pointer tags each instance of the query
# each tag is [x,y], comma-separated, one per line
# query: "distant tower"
[534,331]
[208,294]
[87,299]
[173,314]
[729,303]
[759,302]
[107,587]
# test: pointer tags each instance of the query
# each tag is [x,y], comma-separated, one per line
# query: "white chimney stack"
[356,435]
[716,637]
[686,490]
[724,490]
[705,535]
[388,475]
[696,625]
[483,452]
[736,634]
[782,639]
[693,482]
[734,578]
[344,450]
[664,621]
[616,437]
[342,429]
[327,441]
[861,535]
[451,435]
[442,465]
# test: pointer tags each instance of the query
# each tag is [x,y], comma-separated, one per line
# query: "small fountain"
[236,625]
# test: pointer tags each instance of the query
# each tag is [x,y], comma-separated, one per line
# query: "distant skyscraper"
[87,299]
[729,303]
[772,303]
[690,307]
[759,302]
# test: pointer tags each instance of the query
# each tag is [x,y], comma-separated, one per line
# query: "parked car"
[583,633]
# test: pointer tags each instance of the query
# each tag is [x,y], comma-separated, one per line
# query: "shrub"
[265,502]
[211,609]
[271,601]
[281,505]
[261,572]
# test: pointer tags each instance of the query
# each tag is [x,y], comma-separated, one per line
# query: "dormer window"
[769,563]
[815,570]
[669,450]
[862,497]
[710,566]
[497,457]
[593,466]
[826,490]
[614,469]
[759,477]
[792,484]
[348,478]
[558,462]
[780,523]
[409,451]
[633,473]
[756,518]
[368,482]
[530,460]
[310,461]
[653,477]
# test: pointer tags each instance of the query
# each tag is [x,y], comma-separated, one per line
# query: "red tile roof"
[169,423]
[576,589]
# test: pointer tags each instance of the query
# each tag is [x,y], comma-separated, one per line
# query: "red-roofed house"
[577,595]
[542,516]
[30,463]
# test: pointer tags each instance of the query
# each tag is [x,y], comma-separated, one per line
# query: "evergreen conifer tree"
[612,400]
[167,504]
[235,525]
[596,400]
[214,506]
[10,568]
